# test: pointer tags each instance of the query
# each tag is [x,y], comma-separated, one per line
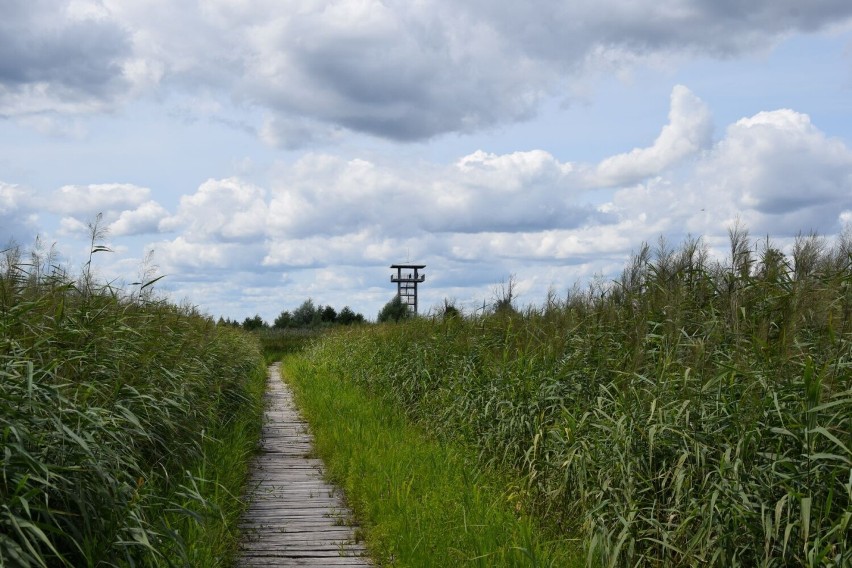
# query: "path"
[295,518]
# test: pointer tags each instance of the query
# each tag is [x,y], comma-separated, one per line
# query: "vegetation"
[125,423]
[278,343]
[422,503]
[395,310]
[694,412]
[306,316]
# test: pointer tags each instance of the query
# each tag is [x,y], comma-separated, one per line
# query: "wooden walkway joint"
[294,517]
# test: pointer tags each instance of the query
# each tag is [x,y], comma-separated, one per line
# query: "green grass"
[693,412]
[278,343]
[420,502]
[126,424]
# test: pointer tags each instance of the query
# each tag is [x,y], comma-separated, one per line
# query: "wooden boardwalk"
[294,518]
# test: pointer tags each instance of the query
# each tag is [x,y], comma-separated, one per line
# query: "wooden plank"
[294,517]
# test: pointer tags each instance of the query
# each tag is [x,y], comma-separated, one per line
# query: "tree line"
[307,315]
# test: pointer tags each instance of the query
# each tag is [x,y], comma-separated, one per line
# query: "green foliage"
[283,321]
[125,424]
[278,343]
[504,296]
[328,315]
[395,310]
[348,317]
[691,413]
[254,324]
[450,312]
[308,316]
[419,502]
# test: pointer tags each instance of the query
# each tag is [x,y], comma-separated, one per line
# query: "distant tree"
[346,316]
[306,315]
[349,317]
[251,324]
[395,310]
[328,315]
[283,321]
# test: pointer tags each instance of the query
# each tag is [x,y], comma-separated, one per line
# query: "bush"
[394,311]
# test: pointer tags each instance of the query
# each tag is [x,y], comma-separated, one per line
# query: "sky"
[261,152]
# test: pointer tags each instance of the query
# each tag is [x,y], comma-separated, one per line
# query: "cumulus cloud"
[484,215]
[125,209]
[144,219]
[228,210]
[328,195]
[89,200]
[398,70]
[59,56]
[413,70]
[17,213]
[690,129]
[779,172]
[197,260]
[775,171]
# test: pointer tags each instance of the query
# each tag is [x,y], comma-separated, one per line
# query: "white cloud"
[501,213]
[483,216]
[59,56]
[327,195]
[17,213]
[142,220]
[690,130]
[221,210]
[89,200]
[399,70]
[205,260]
[72,227]
[125,209]
[780,172]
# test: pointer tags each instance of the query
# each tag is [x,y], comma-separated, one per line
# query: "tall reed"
[124,423]
[693,412]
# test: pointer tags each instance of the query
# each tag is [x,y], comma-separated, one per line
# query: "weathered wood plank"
[294,517]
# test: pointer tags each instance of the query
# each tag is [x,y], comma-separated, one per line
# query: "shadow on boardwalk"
[295,518]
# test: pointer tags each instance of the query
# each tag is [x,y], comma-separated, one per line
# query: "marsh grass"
[278,343]
[693,412]
[125,423]
[420,502]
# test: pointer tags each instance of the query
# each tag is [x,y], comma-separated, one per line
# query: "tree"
[348,317]
[283,321]
[328,315]
[395,310]
[306,315]
[251,324]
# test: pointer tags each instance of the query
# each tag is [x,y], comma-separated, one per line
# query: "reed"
[419,502]
[692,412]
[125,423]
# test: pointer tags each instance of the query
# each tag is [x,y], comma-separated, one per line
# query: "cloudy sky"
[268,151]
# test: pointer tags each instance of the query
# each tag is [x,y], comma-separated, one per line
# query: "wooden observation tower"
[407,277]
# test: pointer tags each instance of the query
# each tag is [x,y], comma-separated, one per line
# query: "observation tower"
[407,277]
